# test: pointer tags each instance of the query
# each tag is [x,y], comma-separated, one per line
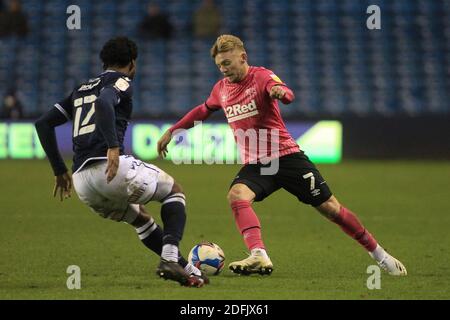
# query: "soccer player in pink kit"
[248,95]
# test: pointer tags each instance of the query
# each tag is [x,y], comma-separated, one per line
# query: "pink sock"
[247,223]
[351,226]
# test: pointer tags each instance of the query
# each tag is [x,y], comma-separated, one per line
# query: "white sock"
[191,269]
[259,252]
[378,254]
[170,252]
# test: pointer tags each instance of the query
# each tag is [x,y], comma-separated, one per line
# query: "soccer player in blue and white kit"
[112,184]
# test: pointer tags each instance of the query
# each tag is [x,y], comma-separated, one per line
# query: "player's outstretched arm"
[45,128]
[199,113]
[282,93]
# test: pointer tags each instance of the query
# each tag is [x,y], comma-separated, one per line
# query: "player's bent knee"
[165,187]
[176,188]
[175,195]
[240,192]
[128,216]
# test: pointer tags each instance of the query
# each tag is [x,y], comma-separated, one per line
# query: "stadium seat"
[320,48]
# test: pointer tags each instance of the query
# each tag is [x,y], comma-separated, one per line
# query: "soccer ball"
[208,257]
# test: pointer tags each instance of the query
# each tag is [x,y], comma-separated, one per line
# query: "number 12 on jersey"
[84,127]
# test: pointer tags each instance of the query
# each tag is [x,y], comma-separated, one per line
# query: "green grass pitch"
[404,204]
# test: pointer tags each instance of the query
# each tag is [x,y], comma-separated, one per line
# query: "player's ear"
[243,57]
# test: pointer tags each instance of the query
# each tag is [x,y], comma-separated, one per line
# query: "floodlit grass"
[404,204]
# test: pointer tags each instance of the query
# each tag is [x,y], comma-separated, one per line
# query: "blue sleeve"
[65,107]
[45,128]
[105,119]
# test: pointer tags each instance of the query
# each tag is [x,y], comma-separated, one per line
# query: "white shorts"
[136,183]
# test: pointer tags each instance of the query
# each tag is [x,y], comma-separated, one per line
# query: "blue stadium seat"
[320,48]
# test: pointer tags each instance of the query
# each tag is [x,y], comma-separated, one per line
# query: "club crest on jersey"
[121,84]
[241,111]
[250,92]
[223,98]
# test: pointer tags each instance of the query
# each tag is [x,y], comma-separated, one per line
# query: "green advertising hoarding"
[205,143]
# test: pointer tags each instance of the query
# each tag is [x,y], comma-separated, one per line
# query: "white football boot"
[255,263]
[393,266]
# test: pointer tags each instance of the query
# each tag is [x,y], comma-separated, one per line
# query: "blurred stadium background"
[389,88]
[322,49]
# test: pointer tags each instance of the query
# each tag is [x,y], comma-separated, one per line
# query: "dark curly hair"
[119,51]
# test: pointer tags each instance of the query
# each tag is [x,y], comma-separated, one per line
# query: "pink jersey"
[248,107]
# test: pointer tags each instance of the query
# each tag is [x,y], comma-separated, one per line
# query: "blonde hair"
[226,42]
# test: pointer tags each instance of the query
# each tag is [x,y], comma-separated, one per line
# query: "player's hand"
[113,163]
[163,142]
[277,92]
[63,184]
